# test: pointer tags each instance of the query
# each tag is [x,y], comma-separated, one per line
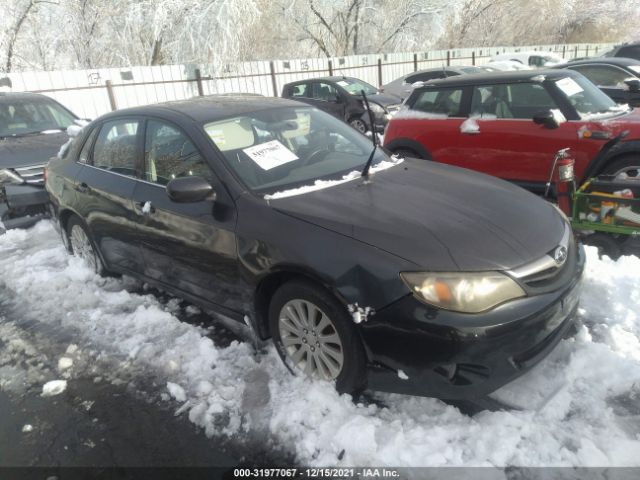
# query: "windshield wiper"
[367,166]
[36,132]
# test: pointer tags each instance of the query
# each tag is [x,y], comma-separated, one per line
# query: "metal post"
[564,47]
[448,58]
[473,57]
[379,72]
[587,52]
[330,68]
[274,84]
[199,82]
[415,62]
[111,95]
[575,52]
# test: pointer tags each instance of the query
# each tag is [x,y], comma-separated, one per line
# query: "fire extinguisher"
[564,180]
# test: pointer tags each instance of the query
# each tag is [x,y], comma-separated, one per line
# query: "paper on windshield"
[342,83]
[569,86]
[270,154]
[218,137]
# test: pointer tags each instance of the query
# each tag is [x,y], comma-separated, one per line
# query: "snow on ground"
[579,407]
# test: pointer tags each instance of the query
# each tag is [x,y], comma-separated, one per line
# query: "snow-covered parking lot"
[581,406]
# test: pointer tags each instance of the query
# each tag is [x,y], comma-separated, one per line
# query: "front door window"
[169,154]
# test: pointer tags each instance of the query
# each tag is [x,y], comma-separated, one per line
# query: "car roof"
[212,107]
[499,77]
[23,96]
[334,78]
[619,61]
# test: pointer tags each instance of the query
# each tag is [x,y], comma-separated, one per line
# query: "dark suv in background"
[32,129]
[618,77]
[342,98]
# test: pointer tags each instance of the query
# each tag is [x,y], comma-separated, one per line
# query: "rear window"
[446,101]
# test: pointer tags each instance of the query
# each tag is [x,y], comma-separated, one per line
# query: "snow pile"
[470,125]
[321,184]
[54,387]
[578,407]
[558,116]
[405,113]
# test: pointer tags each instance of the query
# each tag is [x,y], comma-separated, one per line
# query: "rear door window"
[445,101]
[324,91]
[300,91]
[116,148]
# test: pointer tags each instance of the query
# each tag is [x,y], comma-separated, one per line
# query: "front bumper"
[459,356]
[22,205]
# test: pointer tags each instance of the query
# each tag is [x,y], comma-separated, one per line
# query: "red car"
[511,124]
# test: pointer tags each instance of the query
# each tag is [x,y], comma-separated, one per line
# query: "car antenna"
[365,170]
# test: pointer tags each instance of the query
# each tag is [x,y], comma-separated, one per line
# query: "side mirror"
[546,119]
[633,84]
[190,190]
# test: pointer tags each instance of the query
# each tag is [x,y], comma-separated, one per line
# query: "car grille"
[546,274]
[33,174]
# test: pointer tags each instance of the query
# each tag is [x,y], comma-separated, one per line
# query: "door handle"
[82,188]
[146,208]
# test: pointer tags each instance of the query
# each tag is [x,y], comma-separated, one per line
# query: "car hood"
[30,150]
[628,121]
[439,217]
[384,99]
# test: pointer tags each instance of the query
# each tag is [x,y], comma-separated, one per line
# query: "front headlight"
[7,176]
[467,292]
[375,108]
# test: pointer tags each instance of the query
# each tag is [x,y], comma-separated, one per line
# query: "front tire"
[80,245]
[405,152]
[359,125]
[315,335]
[624,167]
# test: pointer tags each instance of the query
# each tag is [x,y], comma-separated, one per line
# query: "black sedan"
[342,98]
[418,277]
[32,129]
[617,77]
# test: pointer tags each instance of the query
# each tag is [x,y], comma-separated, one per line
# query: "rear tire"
[315,336]
[80,244]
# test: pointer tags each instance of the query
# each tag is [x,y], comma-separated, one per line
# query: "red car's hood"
[628,121]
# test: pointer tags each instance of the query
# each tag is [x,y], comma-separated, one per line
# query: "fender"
[611,150]
[409,144]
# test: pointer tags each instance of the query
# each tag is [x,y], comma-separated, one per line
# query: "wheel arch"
[273,280]
[409,144]
[617,152]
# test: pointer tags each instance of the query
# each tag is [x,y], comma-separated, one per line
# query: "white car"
[533,59]
[507,65]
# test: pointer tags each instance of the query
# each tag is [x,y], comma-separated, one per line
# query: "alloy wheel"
[82,247]
[310,340]
[359,125]
[627,172]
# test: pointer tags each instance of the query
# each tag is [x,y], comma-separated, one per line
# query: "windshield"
[587,99]
[355,87]
[27,116]
[284,148]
